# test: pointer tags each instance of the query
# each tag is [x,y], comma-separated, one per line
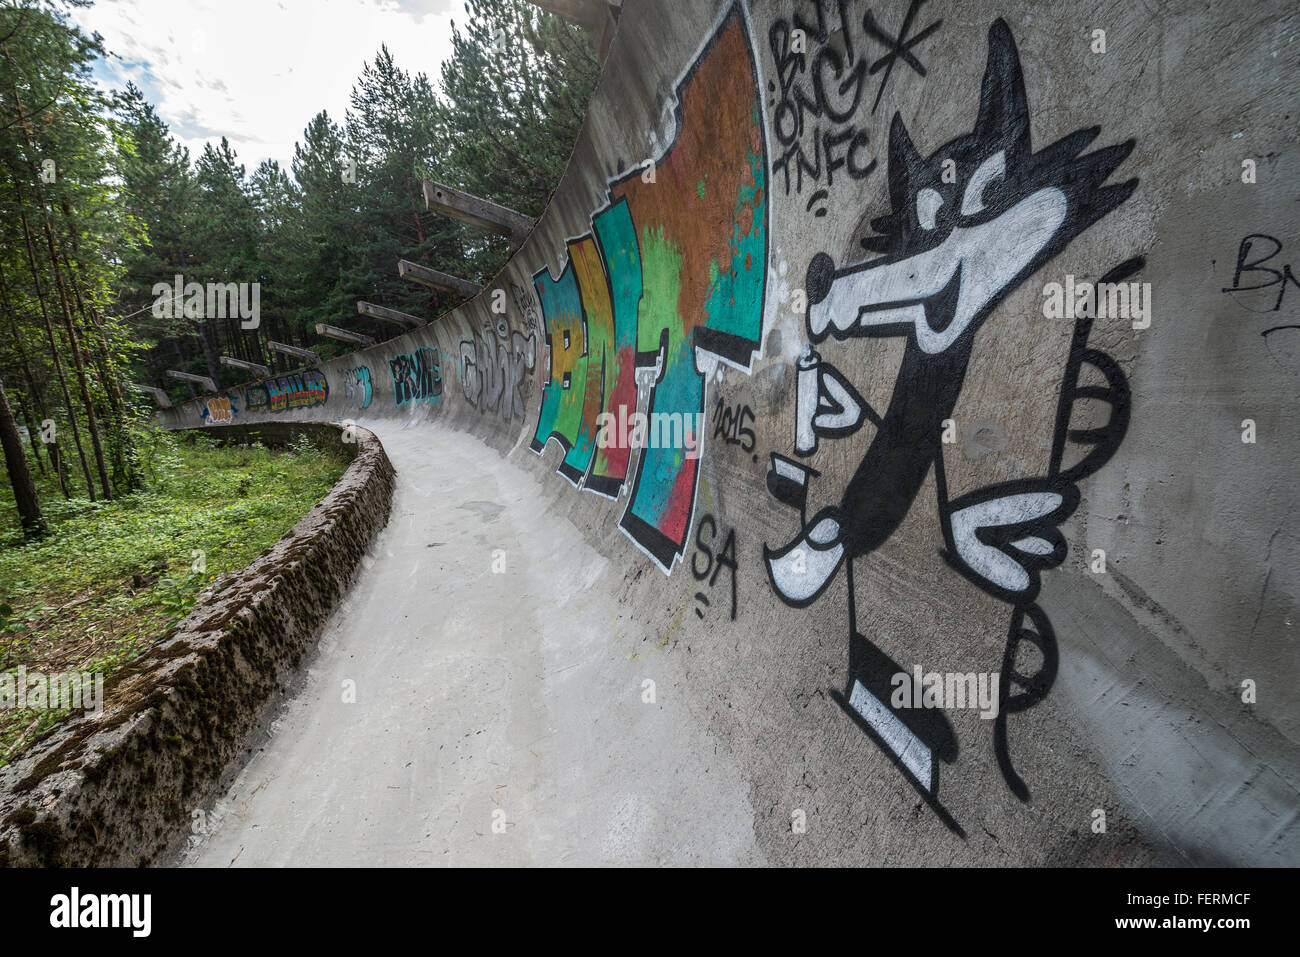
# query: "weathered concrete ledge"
[120,789]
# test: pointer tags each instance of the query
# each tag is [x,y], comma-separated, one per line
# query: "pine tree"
[391,132]
[58,199]
[126,210]
[514,95]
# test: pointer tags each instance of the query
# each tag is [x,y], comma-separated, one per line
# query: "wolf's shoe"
[801,570]
[915,738]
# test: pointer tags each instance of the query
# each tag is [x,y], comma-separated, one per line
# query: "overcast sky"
[256,71]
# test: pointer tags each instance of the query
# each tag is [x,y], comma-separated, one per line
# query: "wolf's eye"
[995,167]
[927,207]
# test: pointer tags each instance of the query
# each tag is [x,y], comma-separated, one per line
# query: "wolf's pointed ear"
[904,163]
[1004,109]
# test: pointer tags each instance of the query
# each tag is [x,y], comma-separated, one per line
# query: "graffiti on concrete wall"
[669,280]
[1248,275]
[813,99]
[417,376]
[297,390]
[220,409]
[825,64]
[950,254]
[526,302]
[731,425]
[356,386]
[494,367]
[714,552]
[1253,285]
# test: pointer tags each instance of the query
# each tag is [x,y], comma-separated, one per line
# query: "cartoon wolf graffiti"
[952,252]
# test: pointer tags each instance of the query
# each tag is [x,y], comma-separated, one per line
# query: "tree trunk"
[32,429]
[32,391]
[54,353]
[20,476]
[209,351]
[67,314]
[180,364]
[78,364]
[123,452]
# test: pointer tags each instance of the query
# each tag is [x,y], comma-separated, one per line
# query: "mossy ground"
[111,579]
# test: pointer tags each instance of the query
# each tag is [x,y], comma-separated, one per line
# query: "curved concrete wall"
[853,242]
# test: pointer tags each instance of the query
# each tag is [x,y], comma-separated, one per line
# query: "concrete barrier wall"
[118,789]
[858,245]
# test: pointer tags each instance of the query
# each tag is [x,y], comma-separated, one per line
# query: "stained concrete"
[1145,721]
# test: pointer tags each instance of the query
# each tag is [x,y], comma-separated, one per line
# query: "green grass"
[112,578]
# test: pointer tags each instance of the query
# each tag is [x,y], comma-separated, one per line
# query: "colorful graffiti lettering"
[951,253]
[671,278]
[417,376]
[219,410]
[356,386]
[298,390]
[257,398]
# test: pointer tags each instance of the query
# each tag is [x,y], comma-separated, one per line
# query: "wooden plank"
[477,212]
[196,379]
[437,280]
[343,335]
[159,396]
[252,367]
[294,351]
[388,315]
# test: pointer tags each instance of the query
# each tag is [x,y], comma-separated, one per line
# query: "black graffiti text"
[1246,265]
[714,563]
[729,424]
[828,85]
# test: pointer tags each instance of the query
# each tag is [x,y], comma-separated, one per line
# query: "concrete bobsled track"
[964,571]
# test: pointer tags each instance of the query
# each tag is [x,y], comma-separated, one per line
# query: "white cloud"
[258,71]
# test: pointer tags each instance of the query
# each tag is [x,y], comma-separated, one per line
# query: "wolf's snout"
[821,273]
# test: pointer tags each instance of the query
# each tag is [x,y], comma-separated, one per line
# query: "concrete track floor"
[511,697]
